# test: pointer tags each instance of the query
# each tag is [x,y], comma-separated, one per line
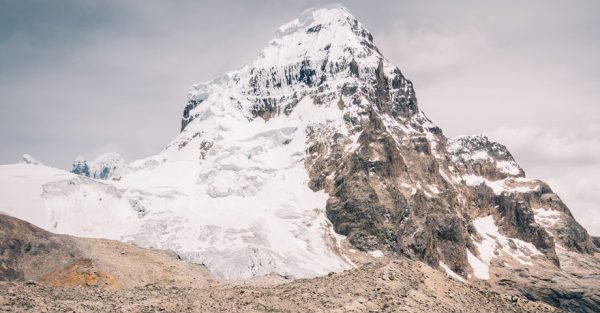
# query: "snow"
[254,170]
[493,243]
[478,148]
[451,273]
[480,155]
[63,202]
[546,217]
[106,166]
[475,180]
[244,210]
[22,189]
[481,270]
[509,185]
[376,253]
[508,167]
[329,26]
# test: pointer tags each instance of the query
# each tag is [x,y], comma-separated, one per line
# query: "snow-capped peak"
[318,34]
[28,159]
[325,54]
[106,166]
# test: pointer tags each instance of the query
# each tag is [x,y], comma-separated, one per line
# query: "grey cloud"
[567,158]
[579,145]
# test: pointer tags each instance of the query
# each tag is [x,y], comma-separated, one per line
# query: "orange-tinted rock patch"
[82,272]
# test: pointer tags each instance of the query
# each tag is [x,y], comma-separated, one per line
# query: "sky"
[85,77]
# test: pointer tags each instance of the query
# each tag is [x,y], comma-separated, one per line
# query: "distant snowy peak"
[28,159]
[80,167]
[106,166]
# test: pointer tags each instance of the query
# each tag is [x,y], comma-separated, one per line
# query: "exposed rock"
[596,241]
[80,167]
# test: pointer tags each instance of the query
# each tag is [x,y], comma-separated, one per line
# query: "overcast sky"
[87,77]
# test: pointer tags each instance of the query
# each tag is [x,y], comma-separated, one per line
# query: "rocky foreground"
[44,272]
[381,286]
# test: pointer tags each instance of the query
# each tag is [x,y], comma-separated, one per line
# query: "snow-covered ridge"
[106,166]
[28,159]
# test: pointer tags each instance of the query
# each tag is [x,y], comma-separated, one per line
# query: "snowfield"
[244,210]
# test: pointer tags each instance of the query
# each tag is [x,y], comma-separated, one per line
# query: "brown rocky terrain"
[93,275]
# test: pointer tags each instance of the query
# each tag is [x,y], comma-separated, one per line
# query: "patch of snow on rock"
[493,243]
[376,253]
[450,272]
[546,217]
[481,270]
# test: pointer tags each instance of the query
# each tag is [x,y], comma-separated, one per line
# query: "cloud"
[577,146]
[430,53]
[568,159]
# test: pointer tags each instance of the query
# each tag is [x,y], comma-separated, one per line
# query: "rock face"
[81,167]
[34,256]
[105,166]
[27,252]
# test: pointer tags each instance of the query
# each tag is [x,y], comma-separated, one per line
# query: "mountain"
[318,145]
[28,159]
[106,166]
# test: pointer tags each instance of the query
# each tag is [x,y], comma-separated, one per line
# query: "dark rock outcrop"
[28,252]
[81,167]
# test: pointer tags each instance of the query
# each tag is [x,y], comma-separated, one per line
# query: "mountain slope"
[319,139]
